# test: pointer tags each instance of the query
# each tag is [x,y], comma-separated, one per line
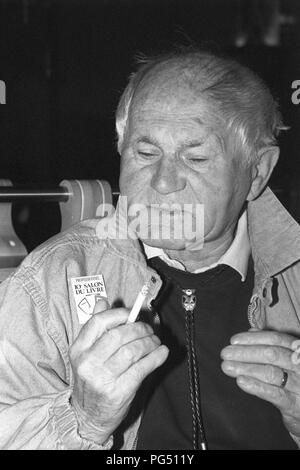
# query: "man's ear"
[262,169]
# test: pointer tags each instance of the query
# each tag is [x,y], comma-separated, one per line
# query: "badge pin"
[86,291]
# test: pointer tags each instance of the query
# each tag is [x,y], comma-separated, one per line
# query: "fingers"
[97,325]
[265,373]
[116,338]
[131,353]
[257,359]
[275,395]
[141,369]
[268,374]
[271,338]
[259,354]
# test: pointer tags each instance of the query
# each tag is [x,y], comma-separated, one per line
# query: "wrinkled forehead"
[165,87]
[171,93]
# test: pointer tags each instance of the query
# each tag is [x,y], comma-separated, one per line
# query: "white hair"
[245,104]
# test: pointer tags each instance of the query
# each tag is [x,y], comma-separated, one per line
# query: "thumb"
[101,305]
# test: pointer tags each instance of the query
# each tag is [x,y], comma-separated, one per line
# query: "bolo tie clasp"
[189,299]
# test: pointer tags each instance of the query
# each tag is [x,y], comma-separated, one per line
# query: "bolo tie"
[188,302]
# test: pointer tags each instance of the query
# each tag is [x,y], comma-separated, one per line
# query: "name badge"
[86,290]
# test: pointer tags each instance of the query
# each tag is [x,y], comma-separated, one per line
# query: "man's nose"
[166,178]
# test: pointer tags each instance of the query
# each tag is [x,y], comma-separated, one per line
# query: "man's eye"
[197,159]
[196,163]
[146,154]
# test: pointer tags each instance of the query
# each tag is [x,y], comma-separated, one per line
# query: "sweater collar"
[237,255]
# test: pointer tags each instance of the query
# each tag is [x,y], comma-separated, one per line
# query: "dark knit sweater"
[232,419]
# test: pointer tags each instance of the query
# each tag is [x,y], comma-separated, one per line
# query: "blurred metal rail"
[60,194]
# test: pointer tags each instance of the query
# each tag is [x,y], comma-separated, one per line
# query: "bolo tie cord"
[198,434]
[199,440]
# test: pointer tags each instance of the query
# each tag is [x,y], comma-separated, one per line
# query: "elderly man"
[193,129]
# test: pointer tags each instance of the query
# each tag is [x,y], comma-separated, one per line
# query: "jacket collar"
[274,234]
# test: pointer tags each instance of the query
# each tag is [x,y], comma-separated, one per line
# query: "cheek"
[229,181]
[133,179]
[210,187]
[222,192]
[127,173]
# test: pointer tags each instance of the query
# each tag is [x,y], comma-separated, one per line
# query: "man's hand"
[257,359]
[110,359]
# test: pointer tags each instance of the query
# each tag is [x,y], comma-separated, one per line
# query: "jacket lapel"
[274,235]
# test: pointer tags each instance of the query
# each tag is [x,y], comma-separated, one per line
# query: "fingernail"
[243,381]
[226,353]
[164,348]
[227,366]
[149,328]
[156,339]
[237,339]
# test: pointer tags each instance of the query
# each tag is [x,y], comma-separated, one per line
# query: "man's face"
[173,154]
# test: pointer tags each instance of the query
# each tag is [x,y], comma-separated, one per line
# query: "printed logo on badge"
[86,290]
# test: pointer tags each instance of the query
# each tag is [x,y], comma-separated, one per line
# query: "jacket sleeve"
[35,384]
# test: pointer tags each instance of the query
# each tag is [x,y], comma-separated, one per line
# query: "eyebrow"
[185,144]
[147,140]
[193,143]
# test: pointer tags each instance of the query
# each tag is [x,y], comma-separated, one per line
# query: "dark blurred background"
[66,62]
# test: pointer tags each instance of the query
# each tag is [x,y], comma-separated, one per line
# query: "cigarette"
[134,313]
